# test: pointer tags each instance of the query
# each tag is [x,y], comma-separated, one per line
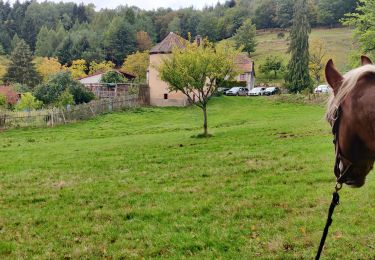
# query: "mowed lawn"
[137,184]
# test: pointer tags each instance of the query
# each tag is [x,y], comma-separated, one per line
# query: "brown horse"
[351,113]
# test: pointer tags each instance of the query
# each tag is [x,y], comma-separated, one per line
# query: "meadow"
[138,183]
[338,43]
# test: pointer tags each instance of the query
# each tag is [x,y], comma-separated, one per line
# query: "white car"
[257,91]
[323,89]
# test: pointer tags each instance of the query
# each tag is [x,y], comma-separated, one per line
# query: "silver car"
[237,91]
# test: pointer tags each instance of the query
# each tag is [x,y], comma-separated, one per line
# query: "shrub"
[51,91]
[65,99]
[28,102]
[3,101]
[113,77]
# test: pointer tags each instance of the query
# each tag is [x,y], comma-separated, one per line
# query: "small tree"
[113,76]
[143,41]
[195,70]
[21,68]
[245,36]
[318,60]
[28,102]
[47,66]
[137,64]
[272,64]
[78,69]
[102,66]
[65,99]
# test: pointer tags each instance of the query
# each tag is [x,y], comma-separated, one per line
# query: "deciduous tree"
[143,41]
[195,70]
[47,66]
[137,64]
[318,60]
[28,102]
[272,64]
[78,69]
[102,66]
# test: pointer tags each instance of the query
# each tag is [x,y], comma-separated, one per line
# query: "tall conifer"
[297,77]
[21,68]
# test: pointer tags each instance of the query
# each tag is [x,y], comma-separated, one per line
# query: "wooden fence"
[58,116]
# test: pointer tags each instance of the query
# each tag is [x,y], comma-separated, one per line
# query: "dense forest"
[69,31]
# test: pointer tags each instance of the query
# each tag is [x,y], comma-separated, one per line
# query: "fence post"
[52,118]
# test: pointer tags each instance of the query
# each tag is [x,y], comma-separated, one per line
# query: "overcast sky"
[145,4]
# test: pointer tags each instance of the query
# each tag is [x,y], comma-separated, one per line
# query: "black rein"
[340,174]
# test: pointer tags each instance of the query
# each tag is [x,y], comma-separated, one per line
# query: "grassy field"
[338,42]
[137,184]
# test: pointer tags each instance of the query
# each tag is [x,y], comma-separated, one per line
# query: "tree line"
[69,31]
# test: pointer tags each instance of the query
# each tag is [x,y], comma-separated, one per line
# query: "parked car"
[222,90]
[271,91]
[237,91]
[323,89]
[257,91]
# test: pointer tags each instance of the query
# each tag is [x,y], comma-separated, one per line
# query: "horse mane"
[349,83]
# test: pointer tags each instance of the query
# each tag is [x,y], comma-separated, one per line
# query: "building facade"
[159,90]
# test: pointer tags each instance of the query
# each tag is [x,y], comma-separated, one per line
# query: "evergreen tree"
[21,68]
[119,40]
[245,36]
[43,46]
[14,42]
[29,32]
[64,51]
[297,77]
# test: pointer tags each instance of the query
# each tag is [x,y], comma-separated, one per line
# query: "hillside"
[137,185]
[338,42]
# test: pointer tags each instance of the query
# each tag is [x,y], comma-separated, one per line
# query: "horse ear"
[334,78]
[365,61]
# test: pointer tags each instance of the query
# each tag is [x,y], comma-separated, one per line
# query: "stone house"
[159,93]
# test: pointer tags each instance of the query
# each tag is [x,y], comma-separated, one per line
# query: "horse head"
[351,112]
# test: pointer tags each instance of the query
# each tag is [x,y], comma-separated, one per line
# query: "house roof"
[125,74]
[244,63]
[167,45]
[11,95]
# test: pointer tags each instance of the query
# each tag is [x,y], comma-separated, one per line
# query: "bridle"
[340,173]
[340,160]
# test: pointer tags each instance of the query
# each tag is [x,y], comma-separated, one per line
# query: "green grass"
[137,184]
[338,42]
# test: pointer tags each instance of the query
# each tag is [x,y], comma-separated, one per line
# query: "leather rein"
[340,173]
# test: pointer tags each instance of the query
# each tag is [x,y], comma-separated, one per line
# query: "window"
[165,96]
[242,77]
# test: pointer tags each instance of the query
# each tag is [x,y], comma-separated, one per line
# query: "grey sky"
[146,4]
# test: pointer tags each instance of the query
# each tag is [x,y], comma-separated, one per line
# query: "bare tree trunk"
[204,108]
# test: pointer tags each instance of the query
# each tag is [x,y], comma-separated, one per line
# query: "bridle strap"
[340,175]
[340,159]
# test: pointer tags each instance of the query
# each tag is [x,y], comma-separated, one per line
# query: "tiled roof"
[167,45]
[244,63]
